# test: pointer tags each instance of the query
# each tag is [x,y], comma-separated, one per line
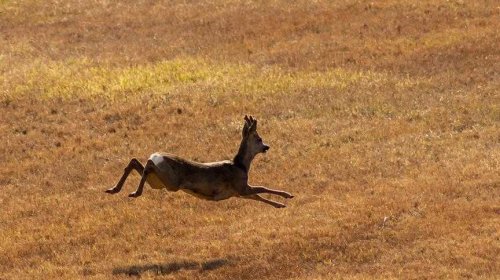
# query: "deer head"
[251,144]
[251,138]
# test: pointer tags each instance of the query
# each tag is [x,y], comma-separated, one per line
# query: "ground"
[383,119]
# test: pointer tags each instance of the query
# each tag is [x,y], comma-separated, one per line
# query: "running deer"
[211,181]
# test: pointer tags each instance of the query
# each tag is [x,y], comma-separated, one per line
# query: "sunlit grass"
[83,78]
[382,118]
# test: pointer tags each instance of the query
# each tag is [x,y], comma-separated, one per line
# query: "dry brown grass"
[383,119]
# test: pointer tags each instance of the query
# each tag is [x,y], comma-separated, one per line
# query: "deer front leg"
[134,164]
[256,190]
[260,198]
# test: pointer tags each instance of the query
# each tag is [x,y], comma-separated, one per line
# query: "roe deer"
[212,181]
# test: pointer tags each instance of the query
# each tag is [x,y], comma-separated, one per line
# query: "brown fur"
[212,181]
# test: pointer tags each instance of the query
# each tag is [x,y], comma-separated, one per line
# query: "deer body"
[211,181]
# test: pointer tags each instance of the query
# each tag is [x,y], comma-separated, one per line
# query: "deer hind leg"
[134,164]
[256,190]
[261,199]
[148,169]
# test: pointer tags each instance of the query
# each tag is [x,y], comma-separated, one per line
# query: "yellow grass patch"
[86,79]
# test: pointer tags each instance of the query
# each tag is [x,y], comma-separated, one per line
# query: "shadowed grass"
[169,268]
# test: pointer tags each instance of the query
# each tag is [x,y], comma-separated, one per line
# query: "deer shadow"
[171,267]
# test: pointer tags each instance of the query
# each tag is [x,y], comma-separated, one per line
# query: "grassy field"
[383,119]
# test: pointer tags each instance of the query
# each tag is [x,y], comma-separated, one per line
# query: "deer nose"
[266,147]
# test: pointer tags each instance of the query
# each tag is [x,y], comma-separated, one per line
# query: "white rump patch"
[157,159]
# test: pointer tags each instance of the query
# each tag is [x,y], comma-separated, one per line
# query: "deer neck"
[243,158]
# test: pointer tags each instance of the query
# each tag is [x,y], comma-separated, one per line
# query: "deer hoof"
[111,191]
[134,194]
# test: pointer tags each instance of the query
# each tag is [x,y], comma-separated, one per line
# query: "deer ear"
[253,127]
